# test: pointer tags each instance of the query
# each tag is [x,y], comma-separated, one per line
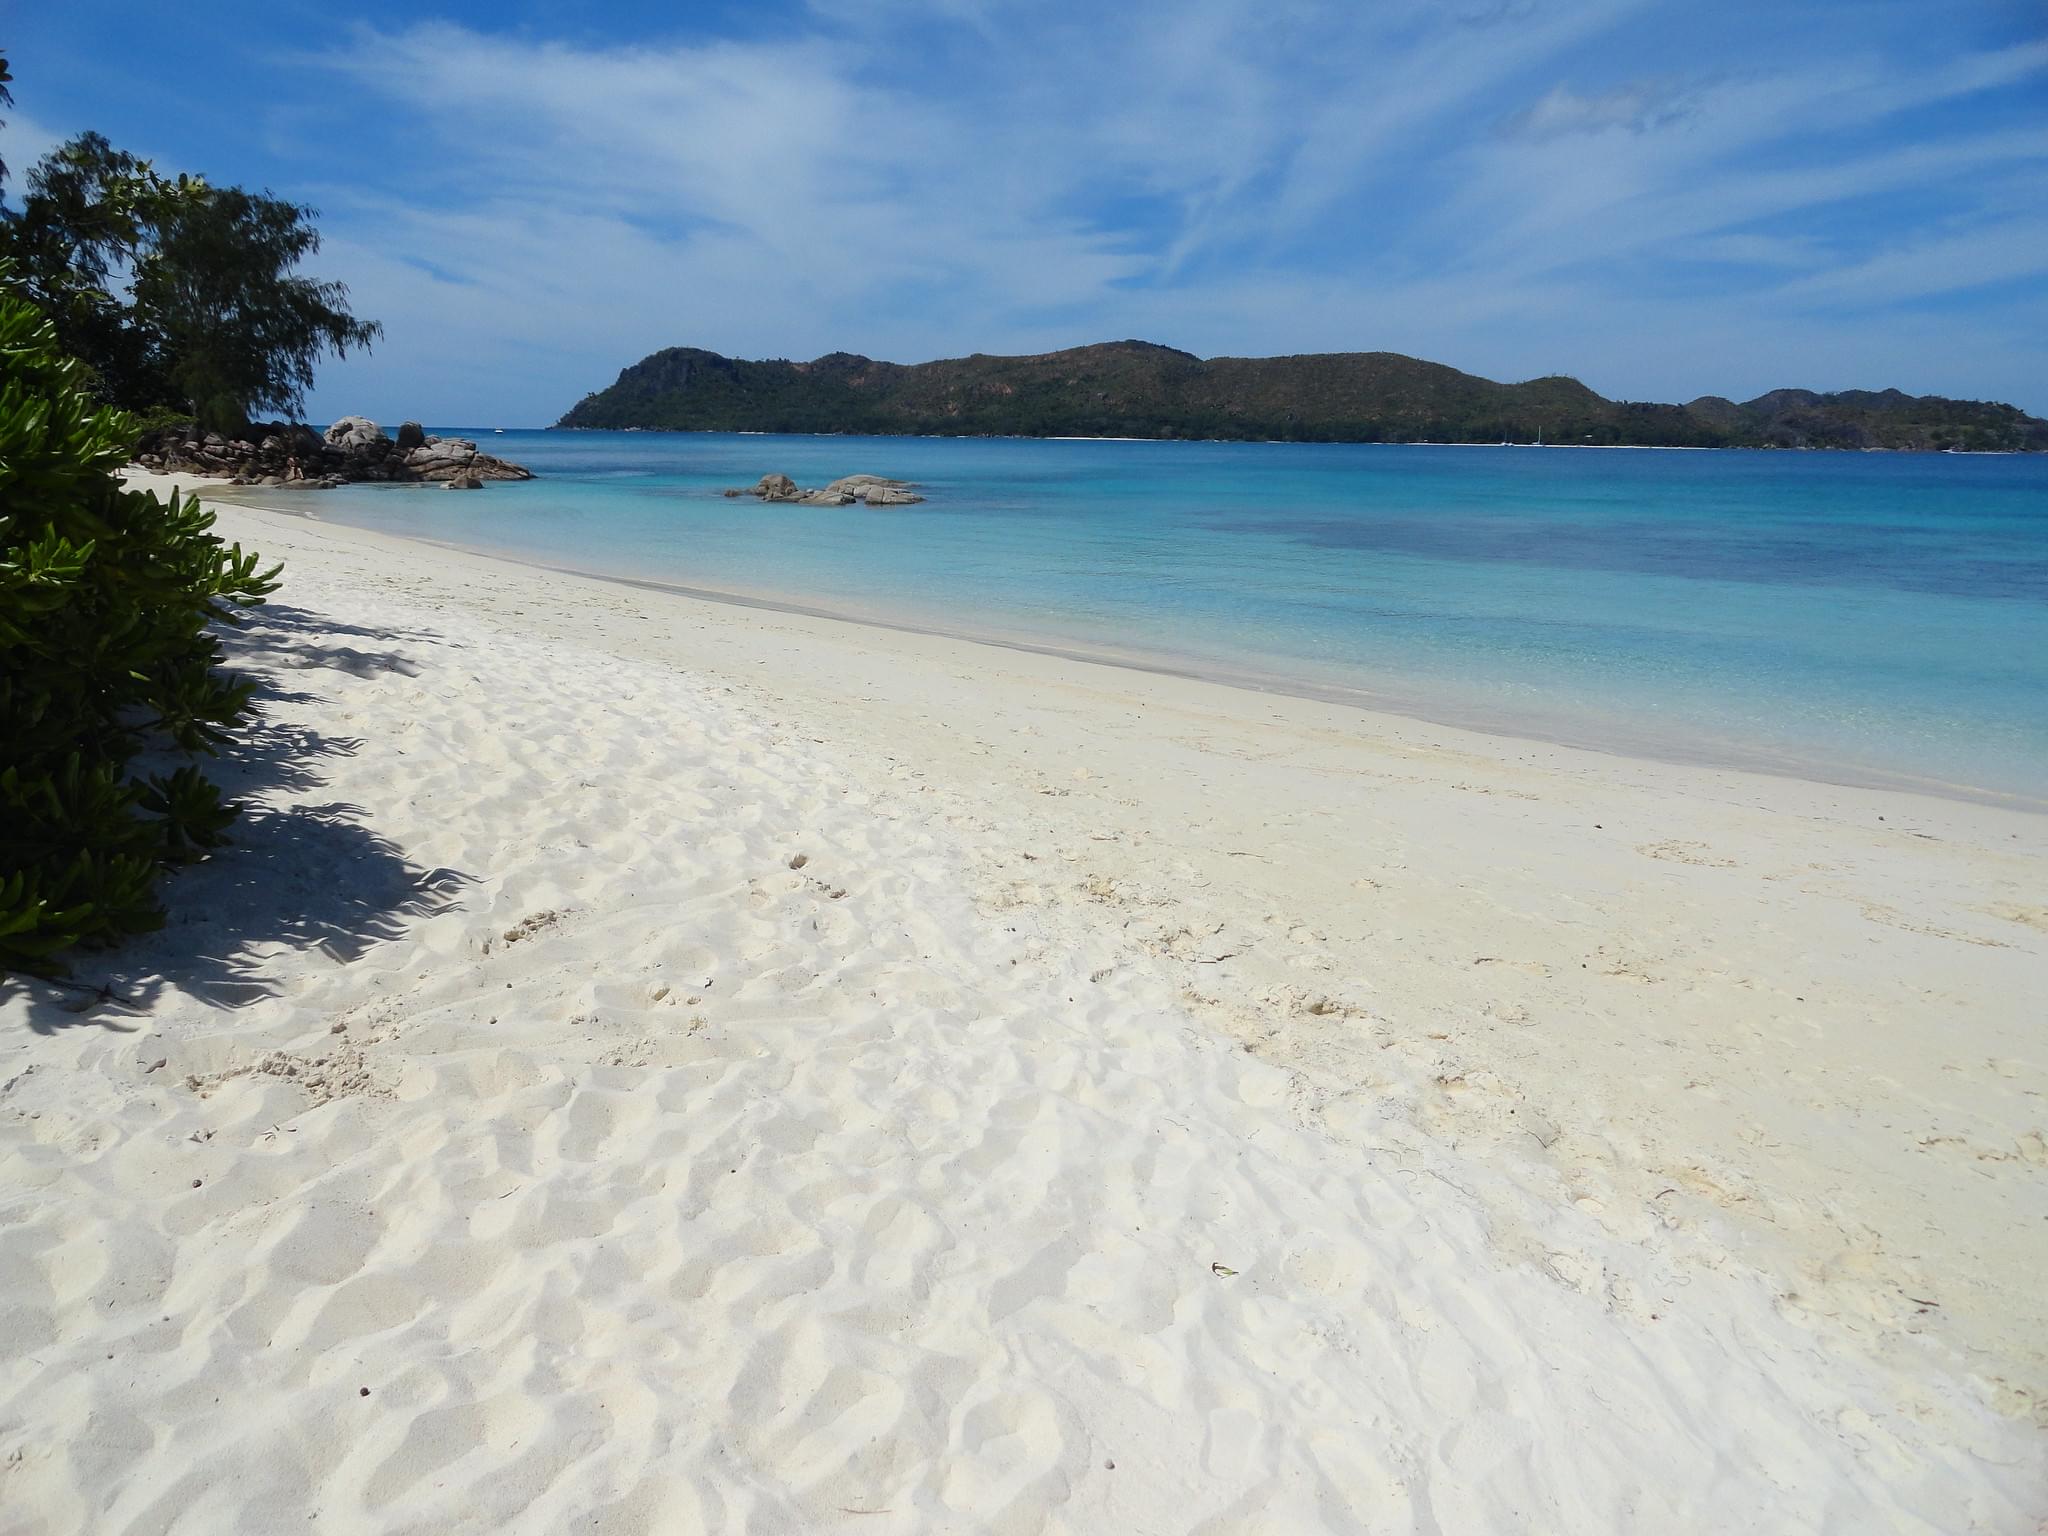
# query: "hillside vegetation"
[1138,389]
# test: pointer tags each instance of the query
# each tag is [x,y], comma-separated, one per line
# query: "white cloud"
[1636,108]
[23,141]
[1998,251]
[1410,80]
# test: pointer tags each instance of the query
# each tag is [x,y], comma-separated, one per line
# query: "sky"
[1662,199]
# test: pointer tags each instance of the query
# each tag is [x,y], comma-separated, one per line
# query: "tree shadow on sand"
[278,635]
[294,876]
[284,618]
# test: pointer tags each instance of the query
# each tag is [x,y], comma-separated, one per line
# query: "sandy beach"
[653,1065]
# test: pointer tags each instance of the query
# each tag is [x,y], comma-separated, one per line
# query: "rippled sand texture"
[597,1106]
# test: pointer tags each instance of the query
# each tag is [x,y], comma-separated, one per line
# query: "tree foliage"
[237,329]
[176,293]
[106,595]
[6,100]
[89,212]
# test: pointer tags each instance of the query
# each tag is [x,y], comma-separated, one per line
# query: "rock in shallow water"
[875,490]
[859,485]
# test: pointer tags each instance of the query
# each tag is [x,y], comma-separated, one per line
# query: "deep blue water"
[1861,614]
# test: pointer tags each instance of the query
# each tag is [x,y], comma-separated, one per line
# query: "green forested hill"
[1138,389]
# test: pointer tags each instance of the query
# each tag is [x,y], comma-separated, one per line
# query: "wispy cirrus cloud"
[1980,254]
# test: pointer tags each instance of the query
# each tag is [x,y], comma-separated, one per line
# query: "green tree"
[177,294]
[91,211]
[237,329]
[6,100]
[106,598]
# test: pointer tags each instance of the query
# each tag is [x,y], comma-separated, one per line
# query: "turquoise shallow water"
[1858,615]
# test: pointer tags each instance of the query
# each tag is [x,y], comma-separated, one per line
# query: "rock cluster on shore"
[353,449]
[871,490]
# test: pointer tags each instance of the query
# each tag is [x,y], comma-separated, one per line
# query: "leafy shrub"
[105,598]
[161,418]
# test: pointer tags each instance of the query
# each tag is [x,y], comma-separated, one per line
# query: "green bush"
[106,595]
[160,418]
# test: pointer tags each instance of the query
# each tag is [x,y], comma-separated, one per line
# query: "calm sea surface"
[1864,615]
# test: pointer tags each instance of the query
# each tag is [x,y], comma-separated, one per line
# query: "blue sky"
[1662,199]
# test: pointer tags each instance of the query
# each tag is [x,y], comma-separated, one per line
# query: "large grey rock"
[441,455]
[410,436]
[858,485]
[827,498]
[356,434]
[889,496]
[442,458]
[776,488]
[465,483]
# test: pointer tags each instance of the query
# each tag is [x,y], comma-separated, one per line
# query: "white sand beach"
[655,1065]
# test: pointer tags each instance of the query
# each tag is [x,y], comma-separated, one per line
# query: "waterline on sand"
[1621,733]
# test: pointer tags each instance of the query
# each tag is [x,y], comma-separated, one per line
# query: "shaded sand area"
[655,1065]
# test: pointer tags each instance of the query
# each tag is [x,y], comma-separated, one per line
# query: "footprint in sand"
[1678,851]
[1890,918]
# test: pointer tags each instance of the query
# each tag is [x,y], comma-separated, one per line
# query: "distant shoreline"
[1141,390]
[1296,442]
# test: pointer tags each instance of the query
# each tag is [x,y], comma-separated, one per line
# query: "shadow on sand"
[294,876]
[278,635]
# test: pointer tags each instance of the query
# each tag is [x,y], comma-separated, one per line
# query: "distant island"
[1139,389]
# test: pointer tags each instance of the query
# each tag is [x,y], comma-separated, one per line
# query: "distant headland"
[1139,389]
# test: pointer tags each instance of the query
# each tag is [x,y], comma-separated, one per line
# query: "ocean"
[1873,618]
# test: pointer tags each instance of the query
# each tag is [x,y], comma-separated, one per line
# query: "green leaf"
[107,598]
